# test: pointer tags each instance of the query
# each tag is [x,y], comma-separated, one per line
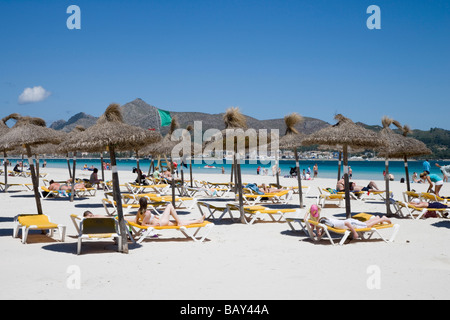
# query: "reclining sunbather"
[267,189]
[371,187]
[146,218]
[430,205]
[352,224]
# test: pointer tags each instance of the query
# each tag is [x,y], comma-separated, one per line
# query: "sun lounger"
[415,212]
[305,189]
[129,203]
[187,203]
[281,197]
[210,211]
[300,222]
[98,229]
[364,233]
[253,213]
[154,188]
[36,222]
[139,233]
[85,192]
[409,195]
[5,187]
[323,198]
[46,193]
[432,197]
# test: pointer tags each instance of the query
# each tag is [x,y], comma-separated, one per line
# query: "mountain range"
[142,114]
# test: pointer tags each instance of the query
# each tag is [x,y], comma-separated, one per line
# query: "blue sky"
[269,58]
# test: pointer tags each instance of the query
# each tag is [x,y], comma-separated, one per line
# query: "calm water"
[366,170]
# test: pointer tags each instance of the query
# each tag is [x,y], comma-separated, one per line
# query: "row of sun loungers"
[256,208]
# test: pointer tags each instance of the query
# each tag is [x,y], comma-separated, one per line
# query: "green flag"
[165,117]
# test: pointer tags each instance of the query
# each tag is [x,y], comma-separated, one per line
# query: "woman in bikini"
[145,218]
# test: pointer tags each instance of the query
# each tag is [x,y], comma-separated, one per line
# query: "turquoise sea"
[362,170]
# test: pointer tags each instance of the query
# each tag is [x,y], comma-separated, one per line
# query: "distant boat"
[209,167]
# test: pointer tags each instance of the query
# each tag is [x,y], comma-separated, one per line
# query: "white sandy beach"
[261,261]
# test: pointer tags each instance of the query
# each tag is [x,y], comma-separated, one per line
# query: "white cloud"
[35,94]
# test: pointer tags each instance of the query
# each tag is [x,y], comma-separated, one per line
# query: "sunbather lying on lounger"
[430,205]
[146,218]
[371,187]
[88,214]
[267,189]
[352,224]
[55,186]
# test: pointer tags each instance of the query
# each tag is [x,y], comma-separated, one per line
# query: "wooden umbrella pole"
[172,181]
[5,165]
[37,196]
[182,176]
[190,171]
[348,211]
[103,166]
[408,185]
[277,162]
[297,167]
[68,165]
[339,167]
[37,169]
[72,194]
[138,169]
[118,200]
[150,168]
[239,186]
[386,179]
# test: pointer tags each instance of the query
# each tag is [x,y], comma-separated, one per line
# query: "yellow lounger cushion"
[38,221]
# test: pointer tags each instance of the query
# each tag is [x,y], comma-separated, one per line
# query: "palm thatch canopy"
[166,144]
[292,138]
[237,136]
[111,130]
[399,145]
[345,132]
[29,131]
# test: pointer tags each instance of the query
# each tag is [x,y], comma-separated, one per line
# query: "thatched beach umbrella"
[398,146]
[292,140]
[28,132]
[4,130]
[345,133]
[68,146]
[163,148]
[413,148]
[238,138]
[113,134]
[186,149]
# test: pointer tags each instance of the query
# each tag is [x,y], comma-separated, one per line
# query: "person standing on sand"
[316,170]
